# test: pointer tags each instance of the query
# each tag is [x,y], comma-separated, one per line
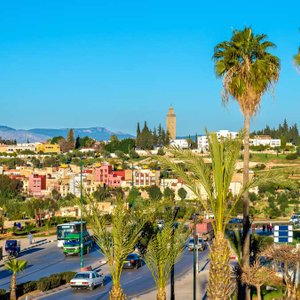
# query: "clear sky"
[113,63]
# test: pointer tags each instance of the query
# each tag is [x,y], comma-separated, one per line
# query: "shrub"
[27,287]
[291,156]
[44,284]
[67,276]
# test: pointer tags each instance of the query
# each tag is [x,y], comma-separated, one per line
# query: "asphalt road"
[134,282]
[45,260]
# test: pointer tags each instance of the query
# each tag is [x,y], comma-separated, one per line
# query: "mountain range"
[43,134]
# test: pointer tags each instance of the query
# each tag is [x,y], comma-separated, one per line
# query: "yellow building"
[3,148]
[48,148]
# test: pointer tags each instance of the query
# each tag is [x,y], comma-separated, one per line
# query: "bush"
[27,287]
[67,276]
[291,156]
[44,284]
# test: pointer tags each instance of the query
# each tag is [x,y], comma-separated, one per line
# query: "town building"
[48,148]
[171,123]
[180,143]
[146,177]
[202,141]
[37,184]
[265,140]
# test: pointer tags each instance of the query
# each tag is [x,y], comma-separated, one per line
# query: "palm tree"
[116,243]
[248,71]
[215,179]
[15,266]
[164,249]
[297,59]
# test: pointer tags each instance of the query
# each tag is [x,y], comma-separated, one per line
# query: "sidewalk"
[184,286]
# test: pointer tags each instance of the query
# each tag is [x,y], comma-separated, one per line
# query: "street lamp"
[81,225]
[194,257]
[132,192]
[172,279]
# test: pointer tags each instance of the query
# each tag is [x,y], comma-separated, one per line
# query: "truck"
[12,248]
[204,229]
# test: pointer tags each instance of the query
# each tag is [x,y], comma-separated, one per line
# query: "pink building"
[114,180]
[37,183]
[101,173]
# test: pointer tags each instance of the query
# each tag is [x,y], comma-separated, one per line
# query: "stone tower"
[171,123]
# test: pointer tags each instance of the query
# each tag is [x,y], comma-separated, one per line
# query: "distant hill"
[41,134]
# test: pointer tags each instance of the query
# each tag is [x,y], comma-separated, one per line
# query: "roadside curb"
[62,287]
[37,244]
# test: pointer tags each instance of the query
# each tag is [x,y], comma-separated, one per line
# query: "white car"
[87,279]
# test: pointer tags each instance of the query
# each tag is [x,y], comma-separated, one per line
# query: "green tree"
[115,243]
[15,266]
[182,193]
[169,194]
[71,139]
[10,187]
[102,193]
[248,70]
[215,179]
[154,193]
[160,256]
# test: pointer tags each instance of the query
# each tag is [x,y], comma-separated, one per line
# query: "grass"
[267,157]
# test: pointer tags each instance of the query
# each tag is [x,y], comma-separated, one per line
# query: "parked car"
[12,247]
[200,245]
[133,261]
[87,280]
[235,221]
[295,218]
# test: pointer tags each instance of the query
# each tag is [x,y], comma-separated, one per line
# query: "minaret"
[171,123]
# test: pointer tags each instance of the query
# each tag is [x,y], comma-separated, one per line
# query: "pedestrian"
[271,227]
[268,228]
[264,228]
[30,238]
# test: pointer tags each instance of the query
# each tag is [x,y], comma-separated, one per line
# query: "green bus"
[72,243]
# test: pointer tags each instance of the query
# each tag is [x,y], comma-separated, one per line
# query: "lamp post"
[132,192]
[81,225]
[172,279]
[194,258]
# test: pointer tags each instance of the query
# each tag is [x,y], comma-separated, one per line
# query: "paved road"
[46,260]
[134,282]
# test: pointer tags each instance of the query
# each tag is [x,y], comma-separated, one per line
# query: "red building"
[37,183]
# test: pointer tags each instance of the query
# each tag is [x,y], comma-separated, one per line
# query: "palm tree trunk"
[219,272]
[13,294]
[246,222]
[161,294]
[116,293]
[258,290]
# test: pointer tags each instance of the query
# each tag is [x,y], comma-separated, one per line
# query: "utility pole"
[81,225]
[132,192]
[172,279]
[194,259]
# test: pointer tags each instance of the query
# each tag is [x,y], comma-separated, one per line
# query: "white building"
[265,140]
[180,143]
[22,147]
[202,141]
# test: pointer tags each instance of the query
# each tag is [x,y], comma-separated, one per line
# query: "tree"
[257,276]
[288,256]
[15,266]
[215,179]
[70,138]
[169,194]
[115,243]
[182,193]
[248,71]
[102,193]
[154,193]
[10,187]
[160,256]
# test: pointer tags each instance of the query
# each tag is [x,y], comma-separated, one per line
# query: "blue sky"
[113,63]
